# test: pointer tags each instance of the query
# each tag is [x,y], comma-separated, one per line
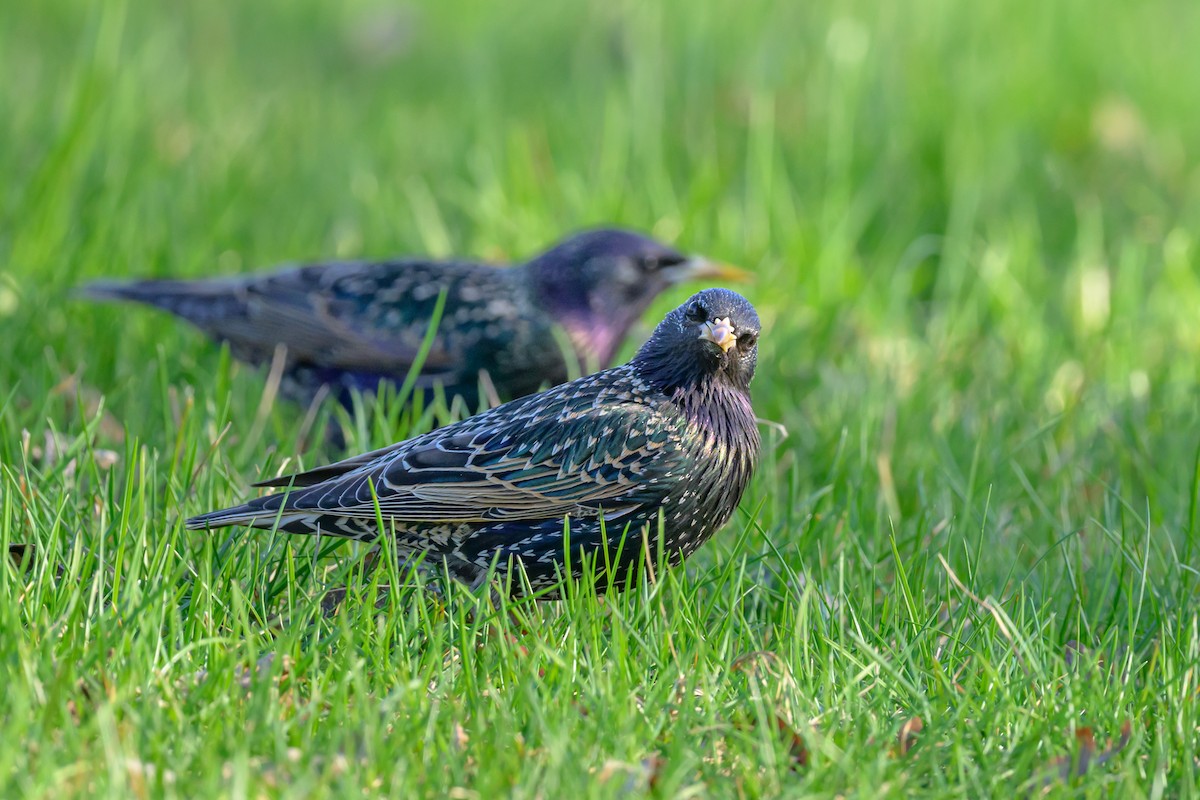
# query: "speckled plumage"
[670,435]
[349,325]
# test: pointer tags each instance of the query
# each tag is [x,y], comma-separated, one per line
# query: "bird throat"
[595,343]
[715,406]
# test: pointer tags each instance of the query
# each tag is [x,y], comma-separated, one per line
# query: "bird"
[503,332]
[648,458]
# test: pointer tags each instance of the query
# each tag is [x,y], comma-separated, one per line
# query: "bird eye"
[747,339]
[696,313]
[663,261]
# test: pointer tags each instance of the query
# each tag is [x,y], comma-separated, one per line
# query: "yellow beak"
[720,332]
[698,268]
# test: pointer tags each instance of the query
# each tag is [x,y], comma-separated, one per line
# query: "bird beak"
[719,332]
[698,267]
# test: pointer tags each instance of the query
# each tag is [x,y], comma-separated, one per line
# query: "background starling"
[350,325]
[670,435]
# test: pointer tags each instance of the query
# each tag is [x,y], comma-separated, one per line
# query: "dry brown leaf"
[797,750]
[907,737]
[1067,768]
[647,774]
[22,555]
[460,737]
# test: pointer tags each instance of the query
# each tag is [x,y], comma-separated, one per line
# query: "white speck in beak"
[720,332]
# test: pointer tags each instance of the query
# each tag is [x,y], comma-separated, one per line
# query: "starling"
[348,326]
[595,467]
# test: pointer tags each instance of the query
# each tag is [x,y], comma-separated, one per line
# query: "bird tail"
[264,513]
[198,302]
[252,515]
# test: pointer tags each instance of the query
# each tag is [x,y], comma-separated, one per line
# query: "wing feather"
[323,314]
[546,460]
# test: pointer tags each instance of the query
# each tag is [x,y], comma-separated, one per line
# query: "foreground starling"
[350,325]
[669,437]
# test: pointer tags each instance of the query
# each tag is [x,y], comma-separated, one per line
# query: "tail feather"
[268,512]
[199,302]
[250,514]
[255,514]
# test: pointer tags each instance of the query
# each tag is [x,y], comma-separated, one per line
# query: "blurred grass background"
[974,228]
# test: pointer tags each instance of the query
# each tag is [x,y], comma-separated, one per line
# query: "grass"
[974,227]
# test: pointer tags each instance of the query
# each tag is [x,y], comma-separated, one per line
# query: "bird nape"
[665,443]
[503,332]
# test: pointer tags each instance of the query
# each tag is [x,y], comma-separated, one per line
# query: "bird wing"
[369,316]
[353,316]
[540,464]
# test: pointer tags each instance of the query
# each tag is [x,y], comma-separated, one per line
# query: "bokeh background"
[1011,184]
[974,227]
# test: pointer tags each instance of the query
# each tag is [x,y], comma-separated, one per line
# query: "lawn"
[967,565]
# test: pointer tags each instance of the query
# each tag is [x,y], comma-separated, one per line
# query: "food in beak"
[720,332]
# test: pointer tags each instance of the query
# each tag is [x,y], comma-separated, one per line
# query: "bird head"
[598,283]
[713,336]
